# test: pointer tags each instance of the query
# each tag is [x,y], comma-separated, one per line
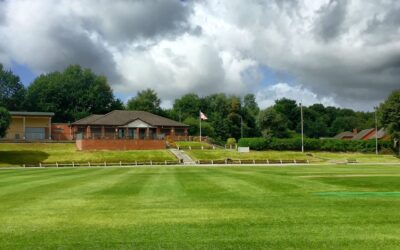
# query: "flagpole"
[376,132]
[200,124]
[302,128]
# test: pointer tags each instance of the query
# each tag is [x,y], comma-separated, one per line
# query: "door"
[35,133]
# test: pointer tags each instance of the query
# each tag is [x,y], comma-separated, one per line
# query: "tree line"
[76,93]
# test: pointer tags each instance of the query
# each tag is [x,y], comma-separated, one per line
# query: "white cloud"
[267,96]
[340,52]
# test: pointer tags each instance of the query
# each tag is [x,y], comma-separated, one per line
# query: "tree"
[389,112]
[188,105]
[272,123]
[146,100]
[194,127]
[12,91]
[71,94]
[289,110]
[4,121]
[249,113]
[250,105]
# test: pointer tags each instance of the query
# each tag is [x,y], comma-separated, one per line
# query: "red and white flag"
[203,116]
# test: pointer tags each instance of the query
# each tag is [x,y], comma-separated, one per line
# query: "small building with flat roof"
[29,126]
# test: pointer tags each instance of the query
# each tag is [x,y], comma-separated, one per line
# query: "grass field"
[338,207]
[26,153]
[316,157]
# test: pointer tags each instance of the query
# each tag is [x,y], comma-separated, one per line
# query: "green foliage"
[289,110]
[71,94]
[146,100]
[188,105]
[231,142]
[5,119]
[282,120]
[194,127]
[389,113]
[272,123]
[250,105]
[254,143]
[12,91]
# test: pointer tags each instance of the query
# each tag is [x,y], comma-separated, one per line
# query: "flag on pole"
[203,116]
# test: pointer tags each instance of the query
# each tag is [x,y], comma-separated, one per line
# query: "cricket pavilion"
[126,130]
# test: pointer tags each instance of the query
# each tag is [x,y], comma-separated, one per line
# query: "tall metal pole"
[302,128]
[200,124]
[376,132]
[241,126]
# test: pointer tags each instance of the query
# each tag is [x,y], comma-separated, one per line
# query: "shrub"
[231,142]
[5,119]
[315,144]
[254,143]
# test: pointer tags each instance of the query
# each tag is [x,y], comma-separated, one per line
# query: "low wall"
[61,132]
[120,144]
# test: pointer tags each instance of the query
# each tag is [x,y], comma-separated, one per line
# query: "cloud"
[343,53]
[48,35]
[267,96]
[124,21]
[331,17]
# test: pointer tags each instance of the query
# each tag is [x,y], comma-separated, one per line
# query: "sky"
[343,53]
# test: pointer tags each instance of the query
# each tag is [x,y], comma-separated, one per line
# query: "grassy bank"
[340,207]
[316,157]
[27,153]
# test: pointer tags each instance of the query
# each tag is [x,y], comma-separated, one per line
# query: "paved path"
[181,155]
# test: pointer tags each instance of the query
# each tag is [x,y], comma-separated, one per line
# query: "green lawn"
[314,207]
[26,153]
[316,157]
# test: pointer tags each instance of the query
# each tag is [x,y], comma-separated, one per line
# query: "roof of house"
[123,117]
[363,133]
[25,113]
[346,134]
[381,134]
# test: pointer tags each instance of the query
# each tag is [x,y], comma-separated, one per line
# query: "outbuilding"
[29,126]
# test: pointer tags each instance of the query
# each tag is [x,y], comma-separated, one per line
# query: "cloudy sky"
[334,52]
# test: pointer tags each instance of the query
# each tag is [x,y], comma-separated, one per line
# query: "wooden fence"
[100,164]
[164,163]
[247,162]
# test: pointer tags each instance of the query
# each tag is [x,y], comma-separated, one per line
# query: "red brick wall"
[61,132]
[109,144]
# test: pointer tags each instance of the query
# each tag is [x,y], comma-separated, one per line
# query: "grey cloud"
[77,48]
[332,16]
[347,50]
[130,20]
[381,30]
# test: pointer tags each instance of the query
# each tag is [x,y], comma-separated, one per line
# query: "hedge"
[254,143]
[314,144]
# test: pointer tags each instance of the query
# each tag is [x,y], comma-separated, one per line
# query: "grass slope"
[221,154]
[340,207]
[23,153]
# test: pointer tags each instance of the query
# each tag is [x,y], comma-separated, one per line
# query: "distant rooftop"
[26,113]
[345,134]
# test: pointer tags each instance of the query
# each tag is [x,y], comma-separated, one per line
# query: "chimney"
[355,131]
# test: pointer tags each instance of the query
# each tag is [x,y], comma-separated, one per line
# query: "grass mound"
[313,157]
[30,153]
